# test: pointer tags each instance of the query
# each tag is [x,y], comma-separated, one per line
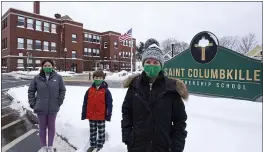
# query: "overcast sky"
[159,20]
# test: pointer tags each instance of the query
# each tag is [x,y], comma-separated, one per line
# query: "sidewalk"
[79,78]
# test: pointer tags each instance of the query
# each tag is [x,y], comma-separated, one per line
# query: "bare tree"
[247,43]
[230,42]
[179,46]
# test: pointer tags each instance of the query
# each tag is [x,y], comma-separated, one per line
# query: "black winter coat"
[154,116]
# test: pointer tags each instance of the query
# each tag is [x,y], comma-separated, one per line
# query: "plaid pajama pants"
[94,126]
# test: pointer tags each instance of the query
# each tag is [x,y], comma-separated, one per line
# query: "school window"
[132,43]
[38,25]
[20,54]
[46,27]
[4,23]
[105,44]
[85,51]
[4,43]
[20,63]
[98,39]
[20,43]
[37,45]
[89,52]
[45,46]
[107,66]
[90,38]
[53,28]
[94,38]
[53,47]
[115,57]
[29,45]
[94,52]
[74,54]
[30,23]
[37,61]
[98,52]
[74,38]
[86,36]
[116,44]
[21,21]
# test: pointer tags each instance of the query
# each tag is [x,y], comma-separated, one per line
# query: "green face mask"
[47,70]
[98,82]
[152,70]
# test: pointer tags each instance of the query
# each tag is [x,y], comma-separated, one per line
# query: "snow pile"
[31,74]
[214,124]
[119,76]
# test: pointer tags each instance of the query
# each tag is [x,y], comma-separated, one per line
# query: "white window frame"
[89,52]
[36,45]
[27,44]
[105,43]
[38,25]
[85,51]
[54,28]
[52,45]
[38,62]
[44,46]
[46,25]
[98,38]
[32,23]
[20,61]
[21,18]
[94,38]
[74,52]
[86,37]
[115,44]
[20,54]
[20,41]
[72,36]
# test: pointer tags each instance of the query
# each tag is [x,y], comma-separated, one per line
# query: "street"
[18,133]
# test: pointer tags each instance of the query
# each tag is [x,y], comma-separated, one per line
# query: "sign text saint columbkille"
[207,68]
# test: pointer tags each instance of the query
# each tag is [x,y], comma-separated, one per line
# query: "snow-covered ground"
[214,124]
[31,74]
[120,75]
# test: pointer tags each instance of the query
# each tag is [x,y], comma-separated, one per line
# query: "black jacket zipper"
[150,100]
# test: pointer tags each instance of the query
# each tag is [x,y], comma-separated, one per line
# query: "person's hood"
[180,87]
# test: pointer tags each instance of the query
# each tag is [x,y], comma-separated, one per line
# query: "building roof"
[66,17]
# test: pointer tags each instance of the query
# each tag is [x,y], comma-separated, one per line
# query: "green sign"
[209,69]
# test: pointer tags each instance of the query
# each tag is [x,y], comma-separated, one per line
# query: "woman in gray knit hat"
[153,111]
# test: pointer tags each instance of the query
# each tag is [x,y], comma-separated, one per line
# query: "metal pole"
[119,63]
[65,61]
[172,50]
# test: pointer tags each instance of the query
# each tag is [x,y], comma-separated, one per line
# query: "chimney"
[36,7]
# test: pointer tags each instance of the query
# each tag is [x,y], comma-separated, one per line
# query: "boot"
[96,150]
[90,149]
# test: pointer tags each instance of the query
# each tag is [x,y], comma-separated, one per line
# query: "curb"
[79,81]
[33,118]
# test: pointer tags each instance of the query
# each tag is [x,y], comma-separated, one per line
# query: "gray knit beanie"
[153,51]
